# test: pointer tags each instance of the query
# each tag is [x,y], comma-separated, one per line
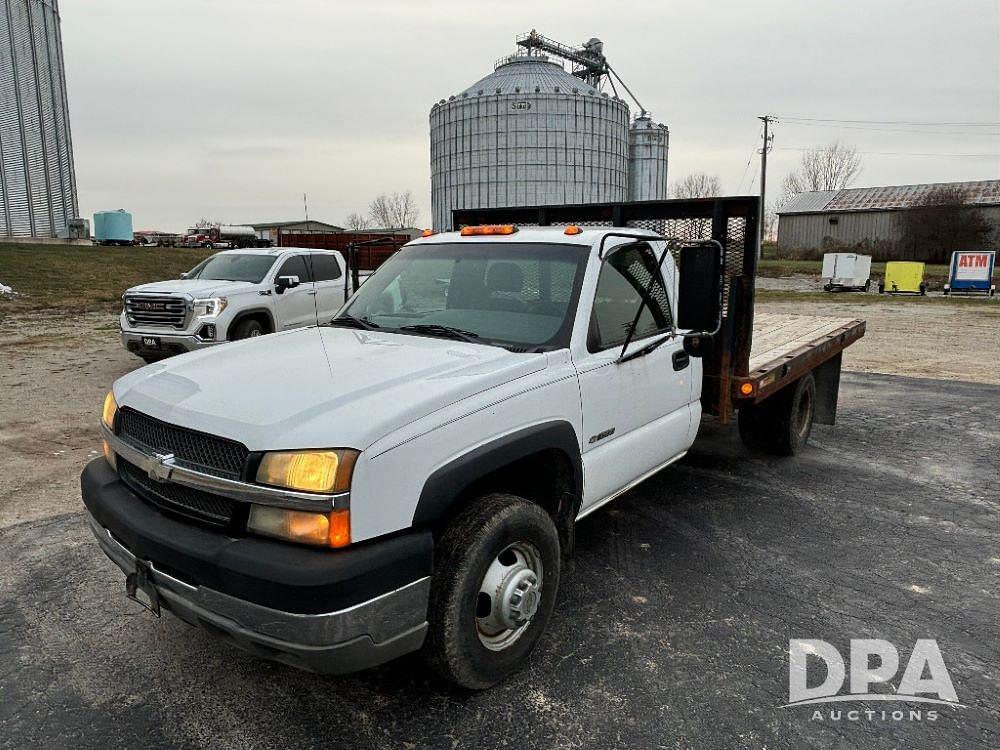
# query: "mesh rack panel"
[208,453]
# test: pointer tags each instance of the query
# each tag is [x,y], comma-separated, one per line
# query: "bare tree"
[830,167]
[698,185]
[394,211]
[943,222]
[356,221]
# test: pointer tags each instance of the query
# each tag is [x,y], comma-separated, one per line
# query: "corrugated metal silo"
[37,180]
[647,160]
[529,133]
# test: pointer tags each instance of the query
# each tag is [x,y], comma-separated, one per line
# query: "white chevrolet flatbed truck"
[408,474]
[233,295]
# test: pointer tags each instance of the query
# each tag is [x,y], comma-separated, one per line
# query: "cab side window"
[324,267]
[625,276]
[295,266]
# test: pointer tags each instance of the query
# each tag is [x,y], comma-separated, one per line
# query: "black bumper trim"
[283,576]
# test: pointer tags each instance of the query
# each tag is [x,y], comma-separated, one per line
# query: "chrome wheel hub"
[509,596]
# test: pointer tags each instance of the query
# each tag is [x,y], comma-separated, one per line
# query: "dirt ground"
[940,341]
[56,369]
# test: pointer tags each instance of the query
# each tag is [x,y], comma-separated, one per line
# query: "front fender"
[446,485]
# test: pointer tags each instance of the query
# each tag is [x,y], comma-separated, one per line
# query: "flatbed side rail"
[772,375]
[732,221]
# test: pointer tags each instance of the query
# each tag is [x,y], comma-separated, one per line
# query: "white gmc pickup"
[232,295]
[408,473]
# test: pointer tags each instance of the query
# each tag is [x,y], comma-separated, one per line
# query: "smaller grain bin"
[113,227]
[648,142]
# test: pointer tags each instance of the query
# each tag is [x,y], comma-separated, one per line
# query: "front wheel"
[496,576]
[247,329]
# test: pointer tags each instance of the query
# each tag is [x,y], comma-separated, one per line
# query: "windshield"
[517,295]
[233,267]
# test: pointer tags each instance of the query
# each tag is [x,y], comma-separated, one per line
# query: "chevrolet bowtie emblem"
[160,466]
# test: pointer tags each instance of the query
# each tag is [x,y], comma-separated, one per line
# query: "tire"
[495,543]
[247,329]
[150,358]
[781,424]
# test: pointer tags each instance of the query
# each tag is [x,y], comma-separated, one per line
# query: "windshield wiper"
[349,321]
[433,329]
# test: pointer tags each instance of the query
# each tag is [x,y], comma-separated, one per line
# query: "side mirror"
[285,282]
[699,297]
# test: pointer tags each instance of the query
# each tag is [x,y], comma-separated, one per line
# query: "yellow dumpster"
[903,277]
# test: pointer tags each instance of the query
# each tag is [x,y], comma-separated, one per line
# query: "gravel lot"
[672,632]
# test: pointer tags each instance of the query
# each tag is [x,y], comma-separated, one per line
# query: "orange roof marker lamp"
[488,229]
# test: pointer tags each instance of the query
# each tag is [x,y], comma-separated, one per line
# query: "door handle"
[681,359]
[312,293]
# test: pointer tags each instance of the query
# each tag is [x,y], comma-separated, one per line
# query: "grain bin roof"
[983,193]
[527,74]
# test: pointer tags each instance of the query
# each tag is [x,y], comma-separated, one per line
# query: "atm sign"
[972,266]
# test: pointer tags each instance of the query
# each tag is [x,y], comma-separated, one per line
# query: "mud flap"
[827,377]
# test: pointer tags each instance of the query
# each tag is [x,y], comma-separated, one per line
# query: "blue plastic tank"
[113,227]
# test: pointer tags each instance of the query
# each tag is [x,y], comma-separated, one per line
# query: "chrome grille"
[156,310]
[197,504]
[197,450]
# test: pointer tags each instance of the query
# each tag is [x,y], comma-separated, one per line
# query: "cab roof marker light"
[488,229]
[572,229]
[427,233]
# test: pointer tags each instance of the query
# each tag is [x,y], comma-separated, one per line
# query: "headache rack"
[732,221]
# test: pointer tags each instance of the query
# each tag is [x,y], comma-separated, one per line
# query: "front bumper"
[327,611]
[170,343]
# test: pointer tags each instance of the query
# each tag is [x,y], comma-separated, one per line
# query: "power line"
[900,153]
[895,130]
[893,122]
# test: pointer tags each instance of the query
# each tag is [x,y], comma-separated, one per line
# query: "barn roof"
[983,193]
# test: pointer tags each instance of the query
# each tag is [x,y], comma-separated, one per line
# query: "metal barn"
[868,220]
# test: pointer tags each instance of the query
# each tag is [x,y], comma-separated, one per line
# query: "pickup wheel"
[781,424]
[247,329]
[495,582]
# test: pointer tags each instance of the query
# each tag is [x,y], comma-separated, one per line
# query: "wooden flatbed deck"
[775,336]
[784,347]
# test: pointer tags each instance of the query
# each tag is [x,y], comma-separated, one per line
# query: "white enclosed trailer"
[846,272]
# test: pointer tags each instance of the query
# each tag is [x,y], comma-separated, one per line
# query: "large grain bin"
[37,181]
[529,133]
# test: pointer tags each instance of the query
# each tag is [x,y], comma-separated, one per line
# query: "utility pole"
[305,206]
[768,138]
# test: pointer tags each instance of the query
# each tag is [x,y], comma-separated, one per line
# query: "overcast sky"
[231,109]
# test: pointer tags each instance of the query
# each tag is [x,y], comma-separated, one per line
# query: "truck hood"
[318,387]
[194,287]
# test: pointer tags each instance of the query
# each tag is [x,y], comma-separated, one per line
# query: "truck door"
[636,413]
[328,277]
[295,307]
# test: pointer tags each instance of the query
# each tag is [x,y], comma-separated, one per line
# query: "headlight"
[324,529]
[109,411]
[309,471]
[209,307]
[108,417]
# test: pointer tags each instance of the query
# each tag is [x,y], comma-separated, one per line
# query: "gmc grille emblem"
[150,305]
